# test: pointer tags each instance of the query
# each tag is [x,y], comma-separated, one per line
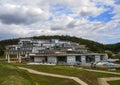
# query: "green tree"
[1,52]
[109,54]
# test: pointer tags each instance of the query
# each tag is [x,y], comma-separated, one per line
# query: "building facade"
[53,51]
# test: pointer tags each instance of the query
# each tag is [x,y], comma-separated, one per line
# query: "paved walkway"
[103,71]
[54,75]
[103,81]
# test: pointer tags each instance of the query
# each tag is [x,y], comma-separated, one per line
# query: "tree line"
[91,45]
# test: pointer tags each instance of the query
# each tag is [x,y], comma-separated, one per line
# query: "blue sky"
[117,2]
[104,17]
[59,9]
[97,20]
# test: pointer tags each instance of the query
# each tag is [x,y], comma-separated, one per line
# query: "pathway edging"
[103,81]
[102,71]
[54,75]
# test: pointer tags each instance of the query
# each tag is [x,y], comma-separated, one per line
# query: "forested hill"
[91,45]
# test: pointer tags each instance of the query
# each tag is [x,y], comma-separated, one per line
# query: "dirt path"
[103,81]
[102,71]
[54,75]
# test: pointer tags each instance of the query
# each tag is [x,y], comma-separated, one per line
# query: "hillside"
[11,75]
[91,45]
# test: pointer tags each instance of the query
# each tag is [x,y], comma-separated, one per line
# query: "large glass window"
[90,58]
[101,57]
[62,59]
[78,58]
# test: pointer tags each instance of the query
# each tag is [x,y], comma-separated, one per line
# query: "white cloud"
[36,18]
[17,14]
[117,12]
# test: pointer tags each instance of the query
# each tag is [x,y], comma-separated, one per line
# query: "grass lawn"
[117,82]
[116,71]
[11,75]
[87,76]
[106,69]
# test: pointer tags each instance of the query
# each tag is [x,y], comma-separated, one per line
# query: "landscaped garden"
[87,76]
[11,75]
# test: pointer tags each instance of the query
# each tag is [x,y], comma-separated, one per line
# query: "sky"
[97,20]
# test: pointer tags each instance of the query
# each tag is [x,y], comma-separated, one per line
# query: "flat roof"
[66,54]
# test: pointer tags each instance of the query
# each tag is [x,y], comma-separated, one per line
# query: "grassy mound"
[87,76]
[116,82]
[15,80]
[11,75]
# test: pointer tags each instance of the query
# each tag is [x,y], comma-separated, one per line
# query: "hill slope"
[91,45]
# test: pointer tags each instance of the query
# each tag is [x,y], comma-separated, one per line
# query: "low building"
[54,51]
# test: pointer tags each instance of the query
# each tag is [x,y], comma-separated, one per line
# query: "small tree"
[1,52]
[109,54]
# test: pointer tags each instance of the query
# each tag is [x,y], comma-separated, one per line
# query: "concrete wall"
[97,58]
[71,59]
[52,59]
[105,57]
[39,59]
[83,59]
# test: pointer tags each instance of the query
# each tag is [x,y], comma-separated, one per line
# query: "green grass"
[117,71]
[106,69]
[3,56]
[11,75]
[87,76]
[116,82]
[45,80]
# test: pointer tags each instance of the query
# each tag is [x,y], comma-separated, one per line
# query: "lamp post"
[8,56]
[6,53]
[19,57]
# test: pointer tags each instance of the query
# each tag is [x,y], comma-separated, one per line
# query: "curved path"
[103,71]
[54,75]
[103,81]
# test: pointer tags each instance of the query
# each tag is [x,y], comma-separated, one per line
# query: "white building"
[54,51]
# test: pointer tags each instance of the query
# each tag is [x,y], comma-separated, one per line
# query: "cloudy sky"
[97,20]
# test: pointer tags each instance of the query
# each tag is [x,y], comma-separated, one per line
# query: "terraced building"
[53,51]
